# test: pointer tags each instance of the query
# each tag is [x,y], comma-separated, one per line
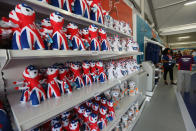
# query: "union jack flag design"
[93,71]
[53,85]
[16,45]
[63,4]
[103,40]
[93,118]
[86,73]
[96,12]
[58,37]
[101,73]
[95,46]
[81,7]
[77,43]
[30,37]
[77,77]
[102,117]
[37,95]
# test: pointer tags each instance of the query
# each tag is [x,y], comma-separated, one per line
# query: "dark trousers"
[166,70]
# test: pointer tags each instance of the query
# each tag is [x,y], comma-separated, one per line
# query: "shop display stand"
[13,62]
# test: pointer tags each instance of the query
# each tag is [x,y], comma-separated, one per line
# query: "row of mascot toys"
[94,114]
[59,79]
[51,34]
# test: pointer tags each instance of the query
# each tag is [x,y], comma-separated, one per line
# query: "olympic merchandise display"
[81,7]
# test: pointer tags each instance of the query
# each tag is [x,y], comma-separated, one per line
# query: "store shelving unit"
[13,62]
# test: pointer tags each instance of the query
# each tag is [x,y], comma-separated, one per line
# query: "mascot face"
[92,64]
[81,109]
[31,72]
[93,118]
[56,19]
[52,70]
[110,103]
[95,106]
[57,127]
[46,23]
[89,103]
[85,31]
[102,31]
[103,100]
[98,98]
[73,125]
[103,110]
[72,26]
[86,65]
[99,64]
[25,13]
[75,66]
[93,28]
[87,112]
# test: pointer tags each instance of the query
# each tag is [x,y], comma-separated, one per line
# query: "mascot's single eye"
[35,72]
[59,17]
[28,10]
[51,70]
[75,125]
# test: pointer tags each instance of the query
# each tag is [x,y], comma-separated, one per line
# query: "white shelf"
[30,54]
[46,9]
[124,104]
[27,116]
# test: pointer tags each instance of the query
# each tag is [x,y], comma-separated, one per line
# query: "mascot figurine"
[75,68]
[94,45]
[53,82]
[93,118]
[58,36]
[74,126]
[86,73]
[32,89]
[76,40]
[102,117]
[103,40]
[101,73]
[30,38]
[86,38]
[93,71]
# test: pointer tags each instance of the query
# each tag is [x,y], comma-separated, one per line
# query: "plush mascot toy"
[46,32]
[101,73]
[86,73]
[86,38]
[93,118]
[102,123]
[53,82]
[96,12]
[94,45]
[32,89]
[30,38]
[74,126]
[58,36]
[76,40]
[103,40]
[81,7]
[63,4]
[111,111]
[75,68]
[93,71]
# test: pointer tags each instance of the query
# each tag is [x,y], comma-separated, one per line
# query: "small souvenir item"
[81,110]
[110,43]
[111,112]
[116,98]
[102,117]
[124,45]
[116,43]
[46,33]
[118,70]
[103,40]
[136,108]
[26,16]
[108,21]
[94,45]
[76,40]
[74,126]
[125,121]
[110,72]
[55,121]
[96,12]
[58,36]
[89,103]
[95,108]
[75,68]
[130,114]
[93,71]
[101,72]
[86,38]
[86,115]
[98,99]
[65,86]
[81,7]
[93,118]
[129,67]
[86,73]
[66,115]
[32,89]
[63,4]
[104,102]
[53,82]
[132,86]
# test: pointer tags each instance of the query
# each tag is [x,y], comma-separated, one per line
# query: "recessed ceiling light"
[184,37]
[190,3]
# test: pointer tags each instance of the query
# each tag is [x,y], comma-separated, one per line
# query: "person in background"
[168,64]
[178,55]
[185,64]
